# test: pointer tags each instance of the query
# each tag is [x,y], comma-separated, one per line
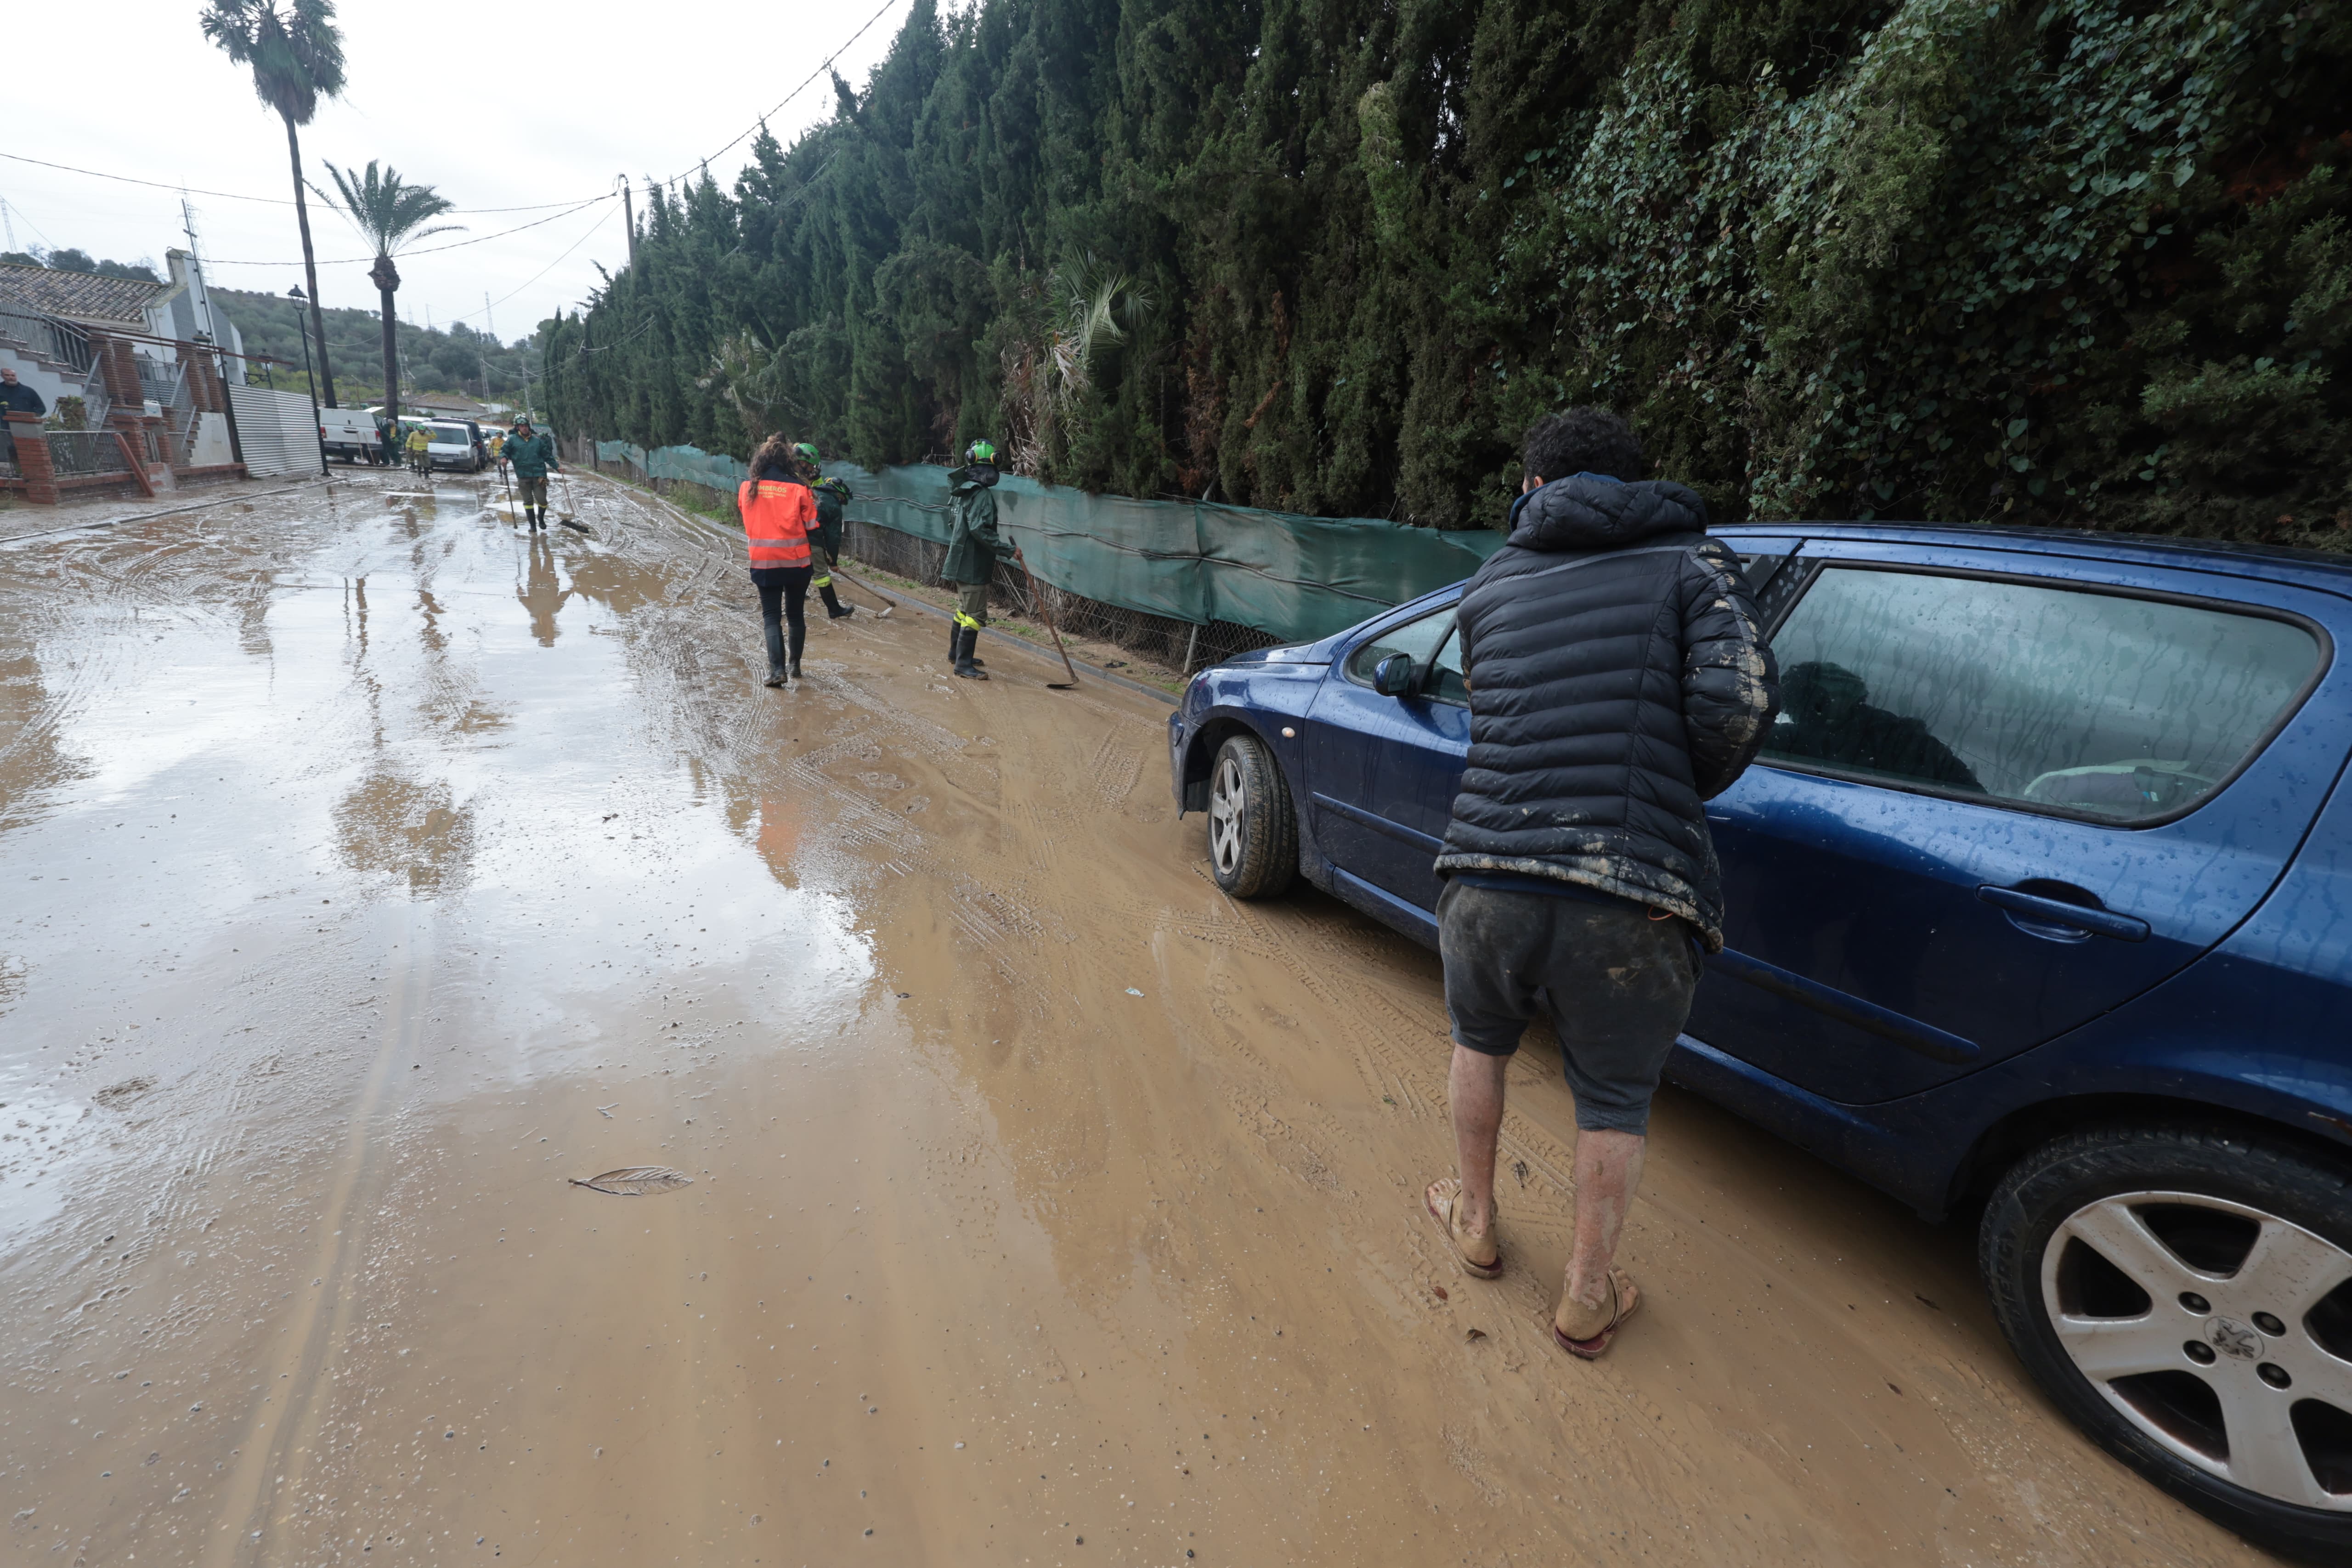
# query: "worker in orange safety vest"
[779,511]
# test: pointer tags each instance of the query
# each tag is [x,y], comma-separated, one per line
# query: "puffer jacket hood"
[1593,512]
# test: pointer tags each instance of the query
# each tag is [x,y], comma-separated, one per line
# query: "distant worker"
[532,453]
[827,541]
[420,449]
[499,449]
[972,547]
[779,511]
[387,433]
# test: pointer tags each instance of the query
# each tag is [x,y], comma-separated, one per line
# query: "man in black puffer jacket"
[1617,679]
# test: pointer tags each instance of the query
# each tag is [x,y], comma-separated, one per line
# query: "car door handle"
[2059,912]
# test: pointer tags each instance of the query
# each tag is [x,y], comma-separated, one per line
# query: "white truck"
[354,434]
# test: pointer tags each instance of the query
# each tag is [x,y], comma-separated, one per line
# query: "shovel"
[1047,610]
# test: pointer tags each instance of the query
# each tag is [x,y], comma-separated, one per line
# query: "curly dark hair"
[1582,441]
[775,456]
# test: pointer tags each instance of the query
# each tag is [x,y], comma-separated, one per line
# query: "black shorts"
[1616,982]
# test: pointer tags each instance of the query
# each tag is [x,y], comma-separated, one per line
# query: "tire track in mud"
[275,1465]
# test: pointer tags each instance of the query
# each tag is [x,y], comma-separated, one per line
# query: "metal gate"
[277,430]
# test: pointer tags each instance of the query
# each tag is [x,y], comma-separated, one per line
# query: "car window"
[1418,638]
[2097,704]
[1446,681]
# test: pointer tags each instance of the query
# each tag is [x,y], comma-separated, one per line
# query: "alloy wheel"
[2223,1332]
[1226,804]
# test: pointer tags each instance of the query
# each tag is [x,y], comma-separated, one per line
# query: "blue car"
[2039,910]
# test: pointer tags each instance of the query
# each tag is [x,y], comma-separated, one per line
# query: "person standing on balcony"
[16,397]
[972,547]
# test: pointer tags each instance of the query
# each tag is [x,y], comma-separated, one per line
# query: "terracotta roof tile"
[81,296]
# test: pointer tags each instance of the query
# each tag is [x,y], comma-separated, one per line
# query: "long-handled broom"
[1047,610]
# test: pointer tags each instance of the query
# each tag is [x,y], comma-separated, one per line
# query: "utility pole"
[629,218]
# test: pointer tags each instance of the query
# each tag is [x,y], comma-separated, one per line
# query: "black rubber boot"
[966,665]
[776,673]
[955,644]
[833,608]
[799,638]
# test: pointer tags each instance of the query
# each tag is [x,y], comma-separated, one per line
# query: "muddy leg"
[1607,1171]
[1474,1087]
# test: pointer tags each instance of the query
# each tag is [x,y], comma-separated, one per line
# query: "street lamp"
[296,294]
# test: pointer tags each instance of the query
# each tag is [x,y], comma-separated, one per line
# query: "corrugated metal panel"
[277,431]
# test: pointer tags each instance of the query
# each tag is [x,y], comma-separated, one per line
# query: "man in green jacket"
[532,453]
[972,547]
[824,539]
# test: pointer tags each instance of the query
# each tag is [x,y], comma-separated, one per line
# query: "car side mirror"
[1396,676]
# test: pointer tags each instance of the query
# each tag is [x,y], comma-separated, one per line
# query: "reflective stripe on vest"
[776,518]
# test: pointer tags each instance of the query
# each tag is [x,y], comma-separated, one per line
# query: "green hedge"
[2083,263]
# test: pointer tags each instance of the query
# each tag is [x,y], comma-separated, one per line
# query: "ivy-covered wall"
[2074,261]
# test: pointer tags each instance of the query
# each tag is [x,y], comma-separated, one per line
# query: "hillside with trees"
[2076,262]
[452,359]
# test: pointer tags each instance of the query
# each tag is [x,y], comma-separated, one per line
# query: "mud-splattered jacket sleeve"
[1731,688]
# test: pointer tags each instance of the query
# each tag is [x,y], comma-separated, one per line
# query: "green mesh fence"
[1293,577]
[1290,577]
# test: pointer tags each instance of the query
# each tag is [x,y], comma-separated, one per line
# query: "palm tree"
[389,214]
[297,55]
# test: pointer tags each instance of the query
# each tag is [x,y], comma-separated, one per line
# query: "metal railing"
[60,342]
[74,453]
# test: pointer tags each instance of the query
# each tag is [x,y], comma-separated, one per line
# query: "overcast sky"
[494,106]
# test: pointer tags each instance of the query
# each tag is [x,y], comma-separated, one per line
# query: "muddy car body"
[2039,910]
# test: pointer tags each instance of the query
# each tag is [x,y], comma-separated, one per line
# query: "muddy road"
[373,869]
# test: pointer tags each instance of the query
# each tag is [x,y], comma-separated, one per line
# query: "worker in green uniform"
[972,547]
[532,453]
[825,537]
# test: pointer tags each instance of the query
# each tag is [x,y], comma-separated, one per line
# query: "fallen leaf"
[1442,1295]
[632,1181]
[1472,1336]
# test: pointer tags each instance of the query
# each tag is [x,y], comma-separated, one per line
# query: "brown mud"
[374,870]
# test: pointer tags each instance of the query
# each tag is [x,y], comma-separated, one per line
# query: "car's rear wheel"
[2186,1295]
[1253,827]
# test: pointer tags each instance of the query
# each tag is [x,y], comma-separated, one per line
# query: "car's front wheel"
[1253,827]
[2186,1295]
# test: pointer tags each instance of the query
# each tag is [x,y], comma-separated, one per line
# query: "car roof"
[2319,568]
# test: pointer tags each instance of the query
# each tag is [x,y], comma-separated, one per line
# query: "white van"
[453,446]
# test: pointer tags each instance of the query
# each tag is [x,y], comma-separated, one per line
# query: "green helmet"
[806,449]
[979,452]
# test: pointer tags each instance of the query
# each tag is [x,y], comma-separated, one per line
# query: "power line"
[234,197]
[551,266]
[434,249]
[762,122]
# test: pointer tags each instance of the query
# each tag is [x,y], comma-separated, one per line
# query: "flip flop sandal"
[1441,1210]
[1590,1349]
